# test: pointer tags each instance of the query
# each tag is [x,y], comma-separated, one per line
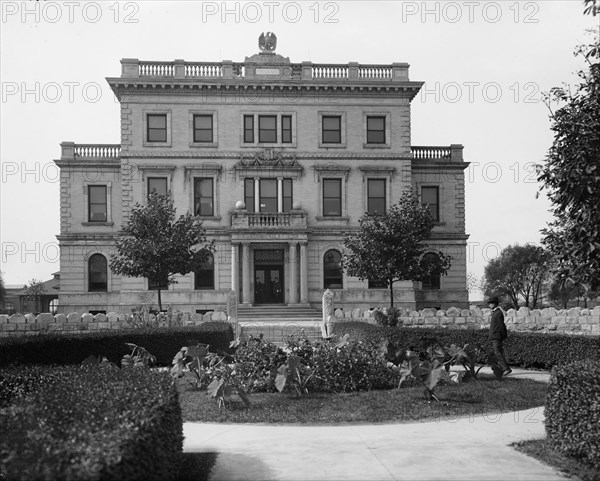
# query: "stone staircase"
[277,322]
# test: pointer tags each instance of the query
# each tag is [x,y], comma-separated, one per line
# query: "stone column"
[327,324]
[293,274]
[257,194]
[279,194]
[246,273]
[303,274]
[232,315]
[235,268]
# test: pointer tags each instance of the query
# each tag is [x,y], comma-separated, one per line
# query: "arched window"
[432,281]
[53,306]
[98,273]
[204,277]
[332,270]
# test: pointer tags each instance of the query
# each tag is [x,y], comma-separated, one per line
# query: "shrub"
[525,349]
[57,349]
[89,422]
[255,360]
[573,411]
[387,317]
[351,366]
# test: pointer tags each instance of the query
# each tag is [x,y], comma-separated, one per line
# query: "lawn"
[542,451]
[407,404]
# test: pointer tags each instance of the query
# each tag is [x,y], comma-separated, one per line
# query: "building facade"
[280,160]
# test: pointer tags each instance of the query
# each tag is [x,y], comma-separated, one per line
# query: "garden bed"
[407,404]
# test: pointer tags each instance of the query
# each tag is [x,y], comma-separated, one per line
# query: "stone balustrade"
[73,151]
[180,69]
[452,153]
[75,323]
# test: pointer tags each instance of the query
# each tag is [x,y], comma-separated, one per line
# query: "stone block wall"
[565,321]
[75,323]
[575,321]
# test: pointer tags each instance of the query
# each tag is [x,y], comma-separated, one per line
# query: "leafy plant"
[387,317]
[428,372]
[139,357]
[220,390]
[191,359]
[209,366]
[102,361]
[294,374]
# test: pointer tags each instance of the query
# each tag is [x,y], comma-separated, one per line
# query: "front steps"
[277,322]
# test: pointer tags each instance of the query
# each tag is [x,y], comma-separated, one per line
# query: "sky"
[485,65]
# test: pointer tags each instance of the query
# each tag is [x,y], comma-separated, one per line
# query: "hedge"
[524,349]
[573,411]
[61,349]
[89,423]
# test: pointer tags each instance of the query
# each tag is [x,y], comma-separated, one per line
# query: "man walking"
[498,333]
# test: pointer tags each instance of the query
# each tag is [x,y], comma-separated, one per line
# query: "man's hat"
[493,300]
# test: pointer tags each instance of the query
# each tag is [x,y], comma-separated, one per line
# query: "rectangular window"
[97,206]
[203,128]
[376,196]
[430,196]
[268,195]
[375,130]
[249,129]
[332,129]
[249,194]
[267,129]
[204,277]
[286,129]
[157,185]
[287,195]
[203,197]
[157,127]
[332,197]
[377,284]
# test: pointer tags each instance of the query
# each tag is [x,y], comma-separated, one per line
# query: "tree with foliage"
[34,290]
[156,246]
[519,272]
[2,290]
[389,247]
[571,174]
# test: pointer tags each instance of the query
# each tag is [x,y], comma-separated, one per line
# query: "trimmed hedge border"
[89,423]
[524,349]
[61,349]
[573,411]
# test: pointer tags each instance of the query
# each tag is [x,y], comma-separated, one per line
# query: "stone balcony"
[262,65]
[242,219]
[452,153]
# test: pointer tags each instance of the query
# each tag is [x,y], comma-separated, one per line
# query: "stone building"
[280,159]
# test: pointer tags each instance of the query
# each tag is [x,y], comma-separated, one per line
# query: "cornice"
[418,164]
[152,86]
[330,155]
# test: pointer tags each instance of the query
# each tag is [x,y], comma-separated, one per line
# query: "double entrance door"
[268,284]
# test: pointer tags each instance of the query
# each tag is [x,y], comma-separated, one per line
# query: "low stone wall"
[570,321]
[75,323]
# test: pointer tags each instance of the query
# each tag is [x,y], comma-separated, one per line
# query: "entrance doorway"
[268,284]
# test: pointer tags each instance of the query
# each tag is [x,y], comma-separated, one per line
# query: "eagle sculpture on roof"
[267,42]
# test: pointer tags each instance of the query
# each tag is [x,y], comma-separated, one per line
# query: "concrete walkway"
[471,448]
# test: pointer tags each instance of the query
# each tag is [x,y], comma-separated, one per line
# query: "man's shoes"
[506,372]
